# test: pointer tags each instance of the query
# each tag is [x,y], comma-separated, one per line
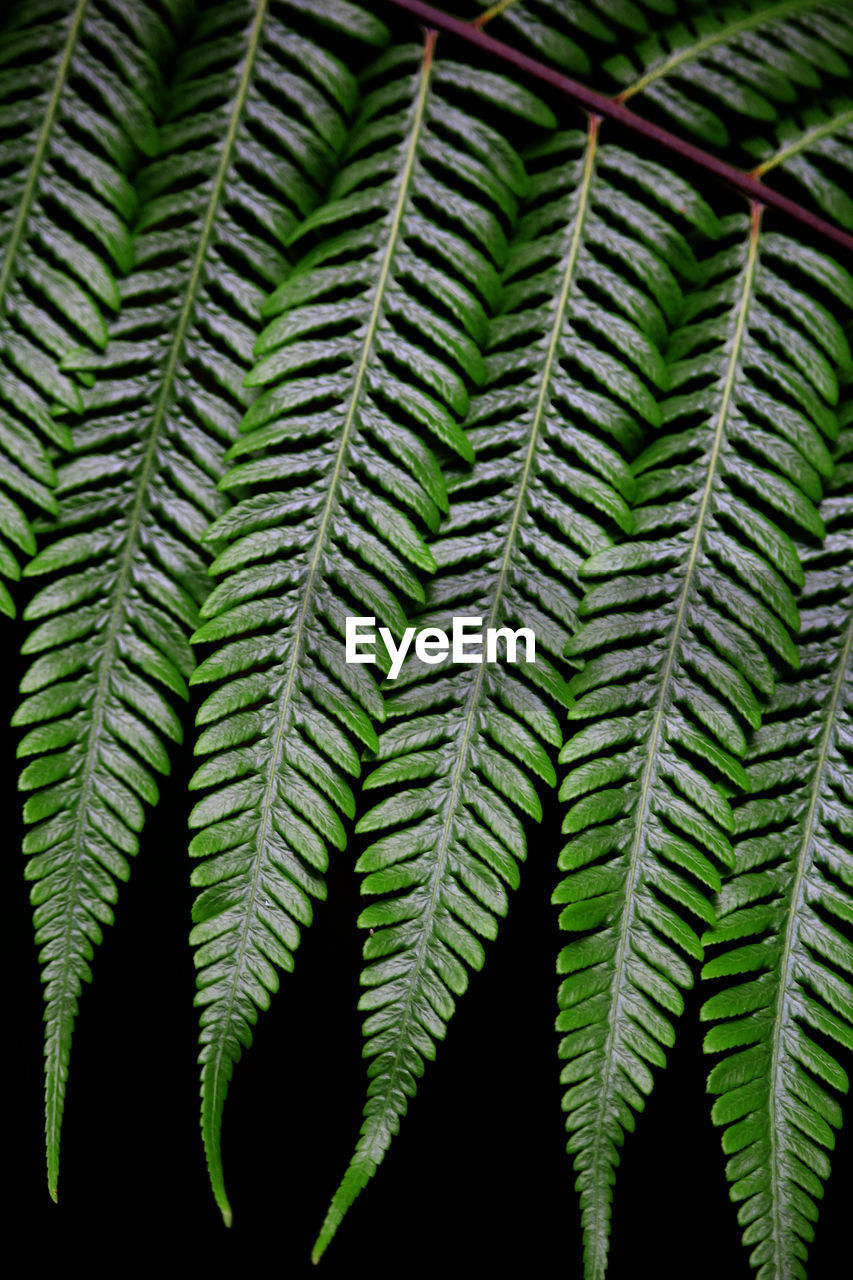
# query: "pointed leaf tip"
[354,1181]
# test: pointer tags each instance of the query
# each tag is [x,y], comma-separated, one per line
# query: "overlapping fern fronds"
[430,376]
[749,62]
[682,626]
[780,941]
[124,558]
[77,86]
[815,153]
[577,35]
[725,74]
[373,341]
[572,364]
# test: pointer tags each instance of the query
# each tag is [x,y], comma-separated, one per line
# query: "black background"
[477,1181]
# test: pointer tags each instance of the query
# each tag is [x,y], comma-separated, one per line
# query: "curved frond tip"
[124,561]
[783,961]
[372,344]
[681,628]
[468,745]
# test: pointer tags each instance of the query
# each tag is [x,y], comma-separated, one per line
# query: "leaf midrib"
[493,12]
[284,706]
[719,36]
[805,140]
[787,984]
[476,686]
[134,522]
[19,227]
[649,768]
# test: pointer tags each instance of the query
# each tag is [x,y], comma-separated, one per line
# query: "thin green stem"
[493,12]
[711,41]
[806,139]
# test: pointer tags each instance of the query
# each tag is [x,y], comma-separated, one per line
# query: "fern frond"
[77,83]
[680,630]
[747,62]
[570,358]
[815,151]
[127,571]
[574,36]
[786,999]
[373,341]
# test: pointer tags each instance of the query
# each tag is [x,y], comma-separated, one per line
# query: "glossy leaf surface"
[373,342]
[682,626]
[124,559]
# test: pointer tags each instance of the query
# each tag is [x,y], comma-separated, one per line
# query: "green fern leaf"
[76,92]
[373,341]
[124,557]
[681,629]
[815,152]
[787,993]
[571,35]
[566,381]
[750,60]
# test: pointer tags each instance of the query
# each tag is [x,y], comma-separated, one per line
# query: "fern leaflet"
[574,35]
[787,971]
[550,428]
[744,61]
[124,557]
[815,152]
[374,339]
[76,92]
[678,635]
